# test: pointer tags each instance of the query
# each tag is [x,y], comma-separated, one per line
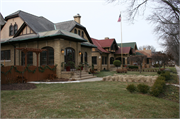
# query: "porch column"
[57,57]
[108,62]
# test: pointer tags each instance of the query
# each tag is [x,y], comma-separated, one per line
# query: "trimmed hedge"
[158,86]
[133,67]
[143,88]
[131,88]
[166,75]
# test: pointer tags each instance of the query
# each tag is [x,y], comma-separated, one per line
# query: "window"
[79,32]
[85,56]
[82,34]
[105,60]
[11,30]
[75,31]
[81,57]
[147,61]
[111,60]
[94,60]
[47,57]
[5,55]
[29,58]
[102,59]
[15,28]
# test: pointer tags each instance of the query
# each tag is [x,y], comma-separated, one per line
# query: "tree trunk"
[159,65]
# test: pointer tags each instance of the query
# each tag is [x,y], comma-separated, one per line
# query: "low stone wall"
[131,78]
[67,74]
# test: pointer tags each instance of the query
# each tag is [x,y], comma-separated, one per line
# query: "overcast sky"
[99,18]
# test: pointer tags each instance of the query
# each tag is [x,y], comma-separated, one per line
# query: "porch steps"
[84,75]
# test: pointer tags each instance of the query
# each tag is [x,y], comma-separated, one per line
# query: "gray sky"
[99,18]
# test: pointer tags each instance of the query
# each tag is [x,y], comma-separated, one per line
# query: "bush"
[143,88]
[158,72]
[131,88]
[158,86]
[133,67]
[117,63]
[166,75]
[156,65]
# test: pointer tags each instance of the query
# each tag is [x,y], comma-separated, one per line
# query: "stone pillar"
[57,55]
[99,62]
[108,61]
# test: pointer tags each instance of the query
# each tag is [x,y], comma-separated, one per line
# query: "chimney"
[106,37]
[77,18]
[144,48]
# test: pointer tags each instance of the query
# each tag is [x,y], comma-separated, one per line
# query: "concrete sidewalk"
[85,80]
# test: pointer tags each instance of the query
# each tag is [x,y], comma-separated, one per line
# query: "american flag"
[119,20]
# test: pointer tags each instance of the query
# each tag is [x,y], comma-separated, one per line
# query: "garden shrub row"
[142,88]
[156,89]
[132,67]
[121,70]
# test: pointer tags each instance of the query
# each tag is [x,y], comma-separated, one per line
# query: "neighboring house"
[62,42]
[107,51]
[148,62]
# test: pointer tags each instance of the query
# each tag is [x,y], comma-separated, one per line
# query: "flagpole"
[121,45]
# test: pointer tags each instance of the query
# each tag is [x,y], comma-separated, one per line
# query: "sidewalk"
[85,80]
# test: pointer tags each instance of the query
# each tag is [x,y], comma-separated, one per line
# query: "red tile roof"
[126,50]
[144,53]
[106,42]
[95,42]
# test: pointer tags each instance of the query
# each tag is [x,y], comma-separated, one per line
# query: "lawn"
[84,100]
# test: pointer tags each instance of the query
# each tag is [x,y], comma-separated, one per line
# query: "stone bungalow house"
[108,50]
[63,41]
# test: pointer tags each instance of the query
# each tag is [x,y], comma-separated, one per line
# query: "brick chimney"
[77,18]
[106,37]
[144,48]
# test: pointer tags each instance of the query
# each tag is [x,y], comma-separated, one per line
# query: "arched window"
[82,34]
[47,57]
[11,30]
[85,56]
[111,60]
[29,58]
[75,31]
[79,32]
[81,57]
[69,55]
[15,28]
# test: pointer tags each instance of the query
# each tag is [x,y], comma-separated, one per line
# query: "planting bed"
[20,86]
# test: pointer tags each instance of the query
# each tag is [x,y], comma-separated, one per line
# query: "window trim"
[11,29]
[75,31]
[5,54]
[15,30]
[47,56]
[95,60]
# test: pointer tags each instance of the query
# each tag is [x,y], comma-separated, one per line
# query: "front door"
[69,55]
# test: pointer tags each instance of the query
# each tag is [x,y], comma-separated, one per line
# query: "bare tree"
[165,17]
[139,59]
[148,47]
[160,57]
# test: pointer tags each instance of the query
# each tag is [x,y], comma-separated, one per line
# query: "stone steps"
[84,75]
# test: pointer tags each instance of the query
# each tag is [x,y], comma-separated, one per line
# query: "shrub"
[143,88]
[133,67]
[131,88]
[117,63]
[166,75]
[158,72]
[158,86]
[156,65]
[161,78]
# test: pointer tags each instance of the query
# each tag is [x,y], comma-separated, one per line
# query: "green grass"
[84,100]
[107,73]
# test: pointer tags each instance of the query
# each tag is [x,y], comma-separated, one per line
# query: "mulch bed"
[20,86]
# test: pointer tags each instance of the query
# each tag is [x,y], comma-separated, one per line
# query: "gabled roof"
[46,34]
[69,25]
[37,24]
[141,52]
[106,42]
[2,21]
[129,44]
[126,50]
[95,42]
